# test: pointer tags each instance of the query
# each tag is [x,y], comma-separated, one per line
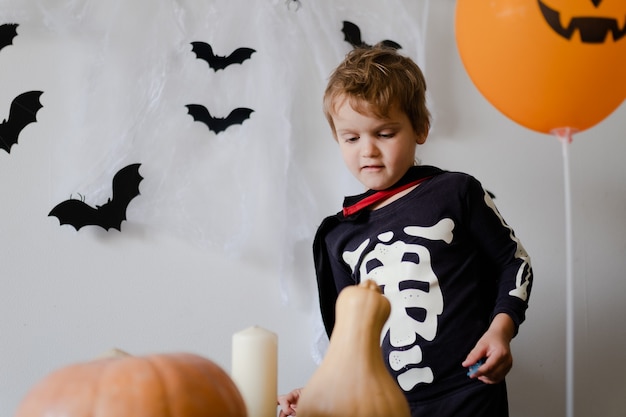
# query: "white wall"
[219,238]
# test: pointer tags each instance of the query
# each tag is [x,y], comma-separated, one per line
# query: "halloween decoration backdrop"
[188,139]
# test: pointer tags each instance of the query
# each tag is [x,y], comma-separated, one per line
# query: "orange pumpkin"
[160,385]
[546,64]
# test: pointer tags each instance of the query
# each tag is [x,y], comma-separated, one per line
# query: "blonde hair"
[376,78]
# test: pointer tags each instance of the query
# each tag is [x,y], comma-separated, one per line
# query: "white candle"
[254,369]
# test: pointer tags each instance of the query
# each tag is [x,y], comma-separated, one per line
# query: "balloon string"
[565,136]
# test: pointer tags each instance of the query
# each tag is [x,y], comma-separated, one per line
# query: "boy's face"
[377,151]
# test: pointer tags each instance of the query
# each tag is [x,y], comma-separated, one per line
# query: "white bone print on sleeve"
[522,279]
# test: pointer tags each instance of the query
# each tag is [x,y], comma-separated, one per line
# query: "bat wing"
[109,215]
[237,116]
[204,52]
[76,213]
[200,114]
[125,188]
[23,111]
[352,34]
[8,31]
[391,44]
[238,56]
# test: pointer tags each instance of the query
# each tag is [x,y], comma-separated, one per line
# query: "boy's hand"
[495,346]
[288,403]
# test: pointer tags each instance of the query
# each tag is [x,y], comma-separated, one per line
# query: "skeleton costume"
[448,263]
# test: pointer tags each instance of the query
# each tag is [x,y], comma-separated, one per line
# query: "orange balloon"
[546,64]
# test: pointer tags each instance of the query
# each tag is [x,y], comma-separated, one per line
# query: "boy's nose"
[369,147]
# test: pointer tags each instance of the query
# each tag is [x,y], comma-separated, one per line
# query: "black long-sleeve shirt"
[448,263]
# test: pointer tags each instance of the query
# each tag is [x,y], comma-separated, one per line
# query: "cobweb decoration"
[123,73]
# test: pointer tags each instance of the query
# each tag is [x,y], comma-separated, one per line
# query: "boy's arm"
[495,347]
[497,240]
[514,282]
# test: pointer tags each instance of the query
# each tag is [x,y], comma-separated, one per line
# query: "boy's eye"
[386,135]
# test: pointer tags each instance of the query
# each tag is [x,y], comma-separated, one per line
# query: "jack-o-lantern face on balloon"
[546,64]
[590,28]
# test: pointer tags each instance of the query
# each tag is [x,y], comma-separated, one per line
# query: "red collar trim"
[378,196]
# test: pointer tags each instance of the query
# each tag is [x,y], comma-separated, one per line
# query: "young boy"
[457,277]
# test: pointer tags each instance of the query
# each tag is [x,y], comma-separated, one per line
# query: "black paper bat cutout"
[23,111]
[352,35]
[205,52]
[8,31]
[109,215]
[218,124]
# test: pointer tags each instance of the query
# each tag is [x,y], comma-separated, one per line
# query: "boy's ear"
[420,139]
